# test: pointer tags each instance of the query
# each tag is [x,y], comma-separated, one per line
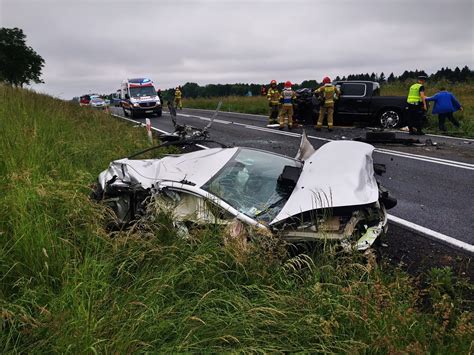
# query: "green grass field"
[68,285]
[258,105]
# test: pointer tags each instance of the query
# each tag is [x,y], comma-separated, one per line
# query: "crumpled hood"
[337,174]
[196,168]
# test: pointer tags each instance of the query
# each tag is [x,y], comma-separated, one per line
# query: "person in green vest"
[416,105]
[327,94]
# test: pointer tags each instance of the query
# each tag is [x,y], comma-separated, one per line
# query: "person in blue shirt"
[445,104]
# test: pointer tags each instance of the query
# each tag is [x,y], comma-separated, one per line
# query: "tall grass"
[254,104]
[259,105]
[68,285]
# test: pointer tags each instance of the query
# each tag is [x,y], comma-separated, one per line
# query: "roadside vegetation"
[69,285]
[259,105]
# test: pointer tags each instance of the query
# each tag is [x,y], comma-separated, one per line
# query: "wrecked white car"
[330,193]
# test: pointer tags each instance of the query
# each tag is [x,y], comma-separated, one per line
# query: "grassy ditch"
[68,285]
[259,105]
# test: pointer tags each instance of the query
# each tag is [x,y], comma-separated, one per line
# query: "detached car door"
[353,104]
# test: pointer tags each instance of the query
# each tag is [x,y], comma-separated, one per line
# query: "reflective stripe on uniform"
[288,95]
[273,96]
[414,96]
[328,91]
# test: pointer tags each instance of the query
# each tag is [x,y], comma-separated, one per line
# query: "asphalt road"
[434,185]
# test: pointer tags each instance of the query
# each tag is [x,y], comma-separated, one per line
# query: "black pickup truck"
[360,103]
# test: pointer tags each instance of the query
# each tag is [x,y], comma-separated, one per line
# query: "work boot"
[281,127]
[290,127]
[317,128]
[329,129]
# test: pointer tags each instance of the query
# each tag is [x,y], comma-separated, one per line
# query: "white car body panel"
[196,167]
[337,174]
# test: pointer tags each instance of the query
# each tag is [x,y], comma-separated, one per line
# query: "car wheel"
[125,113]
[390,119]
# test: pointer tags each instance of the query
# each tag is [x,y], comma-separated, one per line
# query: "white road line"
[391,130]
[426,232]
[453,163]
[431,234]
[439,136]
[154,128]
[233,113]
[431,160]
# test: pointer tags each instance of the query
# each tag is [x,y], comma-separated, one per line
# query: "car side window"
[353,89]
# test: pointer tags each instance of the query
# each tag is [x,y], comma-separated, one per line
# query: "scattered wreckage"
[184,131]
[325,194]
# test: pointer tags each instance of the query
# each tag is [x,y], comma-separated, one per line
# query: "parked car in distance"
[360,103]
[115,98]
[84,100]
[98,103]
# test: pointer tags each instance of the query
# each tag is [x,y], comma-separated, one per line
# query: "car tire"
[125,113]
[390,118]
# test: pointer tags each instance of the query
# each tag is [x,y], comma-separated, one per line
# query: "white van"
[139,96]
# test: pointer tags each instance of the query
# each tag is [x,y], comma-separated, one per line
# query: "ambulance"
[139,97]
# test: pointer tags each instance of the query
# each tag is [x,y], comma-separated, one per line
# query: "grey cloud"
[93,45]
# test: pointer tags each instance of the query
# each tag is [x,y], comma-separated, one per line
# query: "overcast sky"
[92,45]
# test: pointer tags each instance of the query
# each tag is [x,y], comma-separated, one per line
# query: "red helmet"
[288,84]
[273,82]
[326,80]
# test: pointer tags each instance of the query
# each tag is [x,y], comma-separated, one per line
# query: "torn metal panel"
[306,149]
[337,174]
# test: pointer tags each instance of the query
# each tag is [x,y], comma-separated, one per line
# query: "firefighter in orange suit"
[287,97]
[273,97]
[327,94]
[178,98]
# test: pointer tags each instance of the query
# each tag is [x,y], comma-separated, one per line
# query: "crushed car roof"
[337,174]
[196,167]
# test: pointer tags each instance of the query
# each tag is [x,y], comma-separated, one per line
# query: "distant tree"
[338,78]
[309,84]
[190,90]
[466,73]
[19,63]
[457,74]
[391,78]
[382,78]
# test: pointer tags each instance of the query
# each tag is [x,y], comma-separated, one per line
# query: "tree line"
[194,90]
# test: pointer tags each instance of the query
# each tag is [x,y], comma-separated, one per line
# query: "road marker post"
[148,129]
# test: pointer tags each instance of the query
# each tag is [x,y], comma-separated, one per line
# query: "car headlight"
[135,104]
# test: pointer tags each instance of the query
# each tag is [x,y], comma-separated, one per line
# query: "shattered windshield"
[142,91]
[249,183]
